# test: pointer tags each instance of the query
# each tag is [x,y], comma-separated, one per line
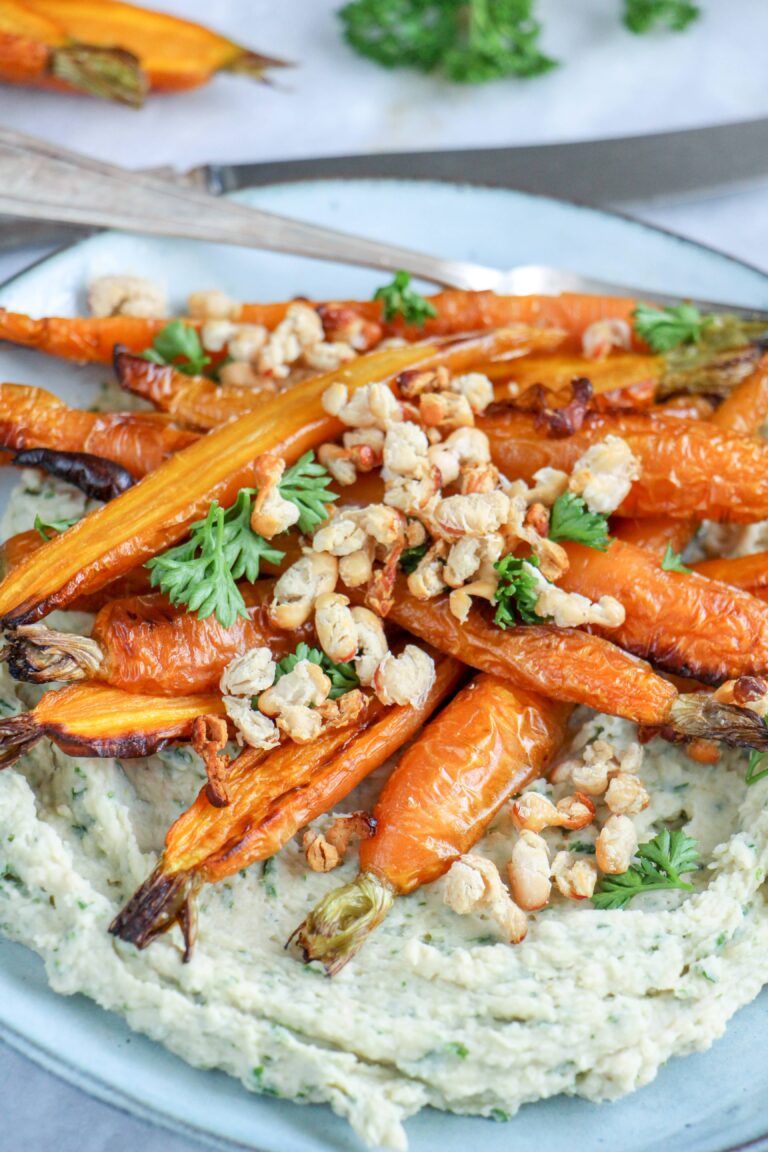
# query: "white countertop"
[610,83]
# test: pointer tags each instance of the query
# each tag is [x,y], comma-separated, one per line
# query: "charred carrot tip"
[698,715]
[18,734]
[163,900]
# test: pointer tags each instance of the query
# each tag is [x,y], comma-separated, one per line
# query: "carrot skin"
[681,622]
[565,664]
[688,468]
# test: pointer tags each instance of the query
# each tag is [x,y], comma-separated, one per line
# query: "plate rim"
[57,1064]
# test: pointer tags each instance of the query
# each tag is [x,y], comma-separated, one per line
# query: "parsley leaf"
[202,572]
[46,526]
[179,345]
[643,15]
[661,863]
[399,299]
[517,593]
[671,561]
[570,519]
[343,677]
[470,41]
[410,558]
[305,484]
[665,328]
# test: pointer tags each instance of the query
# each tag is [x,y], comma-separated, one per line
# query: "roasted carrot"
[135,49]
[271,797]
[653,533]
[138,441]
[157,512]
[487,744]
[682,622]
[688,468]
[144,644]
[17,548]
[95,720]
[35,49]
[573,666]
[747,572]
[194,400]
[462,311]
[86,339]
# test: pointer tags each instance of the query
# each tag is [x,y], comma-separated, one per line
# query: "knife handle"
[44,182]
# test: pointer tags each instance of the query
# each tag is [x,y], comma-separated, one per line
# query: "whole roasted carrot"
[487,744]
[139,441]
[271,797]
[157,512]
[680,621]
[36,50]
[688,468]
[573,666]
[95,720]
[144,644]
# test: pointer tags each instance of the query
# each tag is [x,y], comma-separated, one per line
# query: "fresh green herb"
[399,299]
[665,328]
[305,484]
[179,345]
[517,593]
[582,846]
[267,877]
[343,677]
[644,15]
[202,572]
[458,1049]
[570,519]
[46,526]
[499,1115]
[469,41]
[410,558]
[672,561]
[661,864]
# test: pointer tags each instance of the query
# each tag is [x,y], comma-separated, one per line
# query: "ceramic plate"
[707,1102]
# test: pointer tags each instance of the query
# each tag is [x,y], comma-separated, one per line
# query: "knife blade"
[700,161]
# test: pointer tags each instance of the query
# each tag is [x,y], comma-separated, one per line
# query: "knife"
[696,161]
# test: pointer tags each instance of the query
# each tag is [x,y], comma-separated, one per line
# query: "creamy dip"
[435,1010]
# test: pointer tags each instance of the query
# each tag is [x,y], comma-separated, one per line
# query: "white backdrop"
[611,82]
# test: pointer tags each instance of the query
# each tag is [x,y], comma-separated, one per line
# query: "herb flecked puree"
[435,1010]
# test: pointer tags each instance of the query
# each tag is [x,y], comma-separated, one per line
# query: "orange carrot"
[95,720]
[486,745]
[680,621]
[139,441]
[271,797]
[143,644]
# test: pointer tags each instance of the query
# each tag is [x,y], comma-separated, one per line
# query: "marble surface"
[610,83]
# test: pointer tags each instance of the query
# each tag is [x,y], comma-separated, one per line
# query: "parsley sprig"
[399,299]
[43,527]
[665,328]
[343,677]
[469,41]
[672,561]
[570,519]
[179,345]
[306,484]
[517,592]
[202,572]
[661,864]
[644,15]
